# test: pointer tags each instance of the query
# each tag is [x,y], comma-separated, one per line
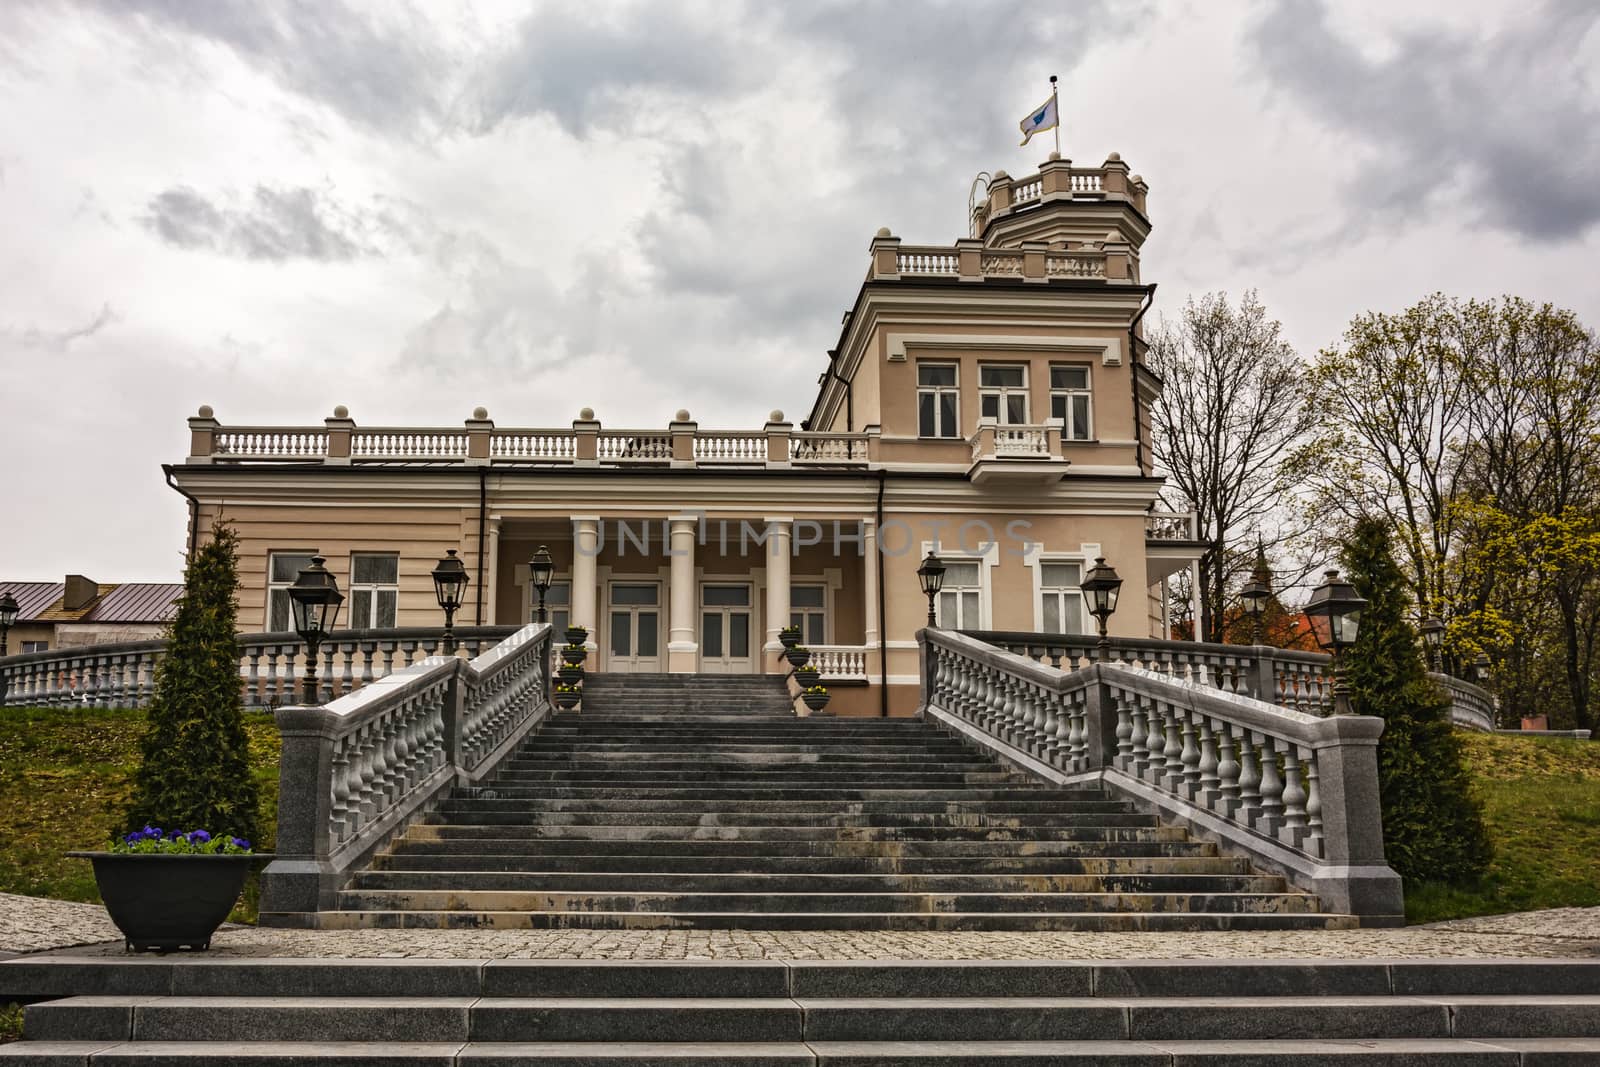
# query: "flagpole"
[1057,104]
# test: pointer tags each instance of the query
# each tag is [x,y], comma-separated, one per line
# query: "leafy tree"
[195,771]
[1432,827]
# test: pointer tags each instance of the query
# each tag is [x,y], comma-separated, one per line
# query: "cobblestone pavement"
[29,924]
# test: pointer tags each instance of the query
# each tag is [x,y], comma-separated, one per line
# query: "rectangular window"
[374,590]
[808,610]
[35,646]
[1003,394]
[558,603]
[1069,402]
[959,604]
[282,569]
[937,409]
[1061,604]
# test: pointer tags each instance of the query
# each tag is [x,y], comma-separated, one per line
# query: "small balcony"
[1016,453]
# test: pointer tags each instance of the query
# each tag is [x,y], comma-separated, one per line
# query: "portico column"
[778,556]
[869,581]
[682,648]
[585,568]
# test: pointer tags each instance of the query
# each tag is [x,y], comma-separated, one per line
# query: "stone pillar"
[480,428]
[682,428]
[999,194]
[885,254]
[300,877]
[869,581]
[586,439]
[585,572]
[1055,178]
[1033,253]
[202,432]
[969,259]
[1114,177]
[1119,258]
[1358,880]
[340,429]
[682,648]
[778,432]
[779,554]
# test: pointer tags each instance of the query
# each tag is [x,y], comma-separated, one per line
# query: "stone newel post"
[302,875]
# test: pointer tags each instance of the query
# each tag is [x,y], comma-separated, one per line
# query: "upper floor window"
[1069,402]
[557,604]
[960,604]
[937,410]
[1003,394]
[374,589]
[35,646]
[807,610]
[1061,599]
[282,569]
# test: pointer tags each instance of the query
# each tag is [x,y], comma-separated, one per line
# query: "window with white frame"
[1003,394]
[1069,402]
[807,610]
[374,589]
[557,603]
[282,569]
[938,407]
[1061,599]
[35,646]
[960,597]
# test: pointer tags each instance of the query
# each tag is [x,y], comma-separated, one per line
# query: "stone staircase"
[589,1013]
[657,807]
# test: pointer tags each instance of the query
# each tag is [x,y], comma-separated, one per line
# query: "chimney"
[80,593]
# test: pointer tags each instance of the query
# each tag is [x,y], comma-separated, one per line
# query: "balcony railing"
[1170,526]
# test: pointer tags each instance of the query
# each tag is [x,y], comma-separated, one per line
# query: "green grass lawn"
[65,774]
[1541,801]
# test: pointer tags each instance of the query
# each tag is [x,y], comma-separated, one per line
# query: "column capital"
[780,520]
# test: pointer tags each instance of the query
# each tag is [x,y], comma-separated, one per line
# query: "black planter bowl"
[575,635]
[797,658]
[816,701]
[788,638]
[567,701]
[574,657]
[164,902]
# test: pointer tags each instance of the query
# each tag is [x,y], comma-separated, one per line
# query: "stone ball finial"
[1054,156]
[1112,235]
[1114,157]
[1137,179]
[206,412]
[998,175]
[883,231]
[586,414]
[341,412]
[774,415]
[480,413]
[682,415]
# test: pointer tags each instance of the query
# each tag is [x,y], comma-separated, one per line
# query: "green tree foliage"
[1432,827]
[195,771]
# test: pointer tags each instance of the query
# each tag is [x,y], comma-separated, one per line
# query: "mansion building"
[986,400]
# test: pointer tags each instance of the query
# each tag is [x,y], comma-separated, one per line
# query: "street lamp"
[543,569]
[8,619]
[1432,630]
[1101,587]
[315,598]
[1480,668]
[1335,613]
[450,586]
[1255,594]
[931,575]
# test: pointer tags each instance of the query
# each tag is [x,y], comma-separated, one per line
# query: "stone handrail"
[122,675]
[1296,792]
[1170,526]
[356,772]
[1300,681]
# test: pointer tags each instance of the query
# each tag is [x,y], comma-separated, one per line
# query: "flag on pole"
[1040,119]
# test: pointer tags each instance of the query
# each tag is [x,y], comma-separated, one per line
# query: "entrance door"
[725,630]
[634,641]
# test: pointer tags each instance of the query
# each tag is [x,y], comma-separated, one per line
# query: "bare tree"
[1231,411]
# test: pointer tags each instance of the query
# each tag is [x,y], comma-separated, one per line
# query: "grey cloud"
[32,337]
[275,224]
[1504,122]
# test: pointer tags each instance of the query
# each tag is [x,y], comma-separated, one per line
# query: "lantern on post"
[1254,596]
[1335,613]
[450,587]
[8,619]
[315,599]
[1432,630]
[1101,587]
[931,575]
[542,569]
[1480,668]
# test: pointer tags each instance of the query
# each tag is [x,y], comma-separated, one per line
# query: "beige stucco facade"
[985,401]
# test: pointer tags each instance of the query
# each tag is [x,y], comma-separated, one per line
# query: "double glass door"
[634,637]
[725,629]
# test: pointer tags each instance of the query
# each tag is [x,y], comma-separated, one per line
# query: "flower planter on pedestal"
[567,701]
[574,656]
[576,635]
[797,657]
[789,638]
[815,701]
[806,676]
[571,675]
[164,902]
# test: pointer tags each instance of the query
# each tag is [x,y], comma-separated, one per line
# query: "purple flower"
[240,842]
[197,837]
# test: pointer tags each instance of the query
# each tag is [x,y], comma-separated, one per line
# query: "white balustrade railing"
[397,443]
[1000,264]
[913,260]
[634,446]
[1087,181]
[1075,265]
[730,446]
[828,448]
[1296,792]
[1026,190]
[271,666]
[1029,442]
[356,772]
[1169,526]
[840,662]
[270,442]
[559,446]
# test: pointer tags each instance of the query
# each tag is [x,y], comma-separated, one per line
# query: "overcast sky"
[274,208]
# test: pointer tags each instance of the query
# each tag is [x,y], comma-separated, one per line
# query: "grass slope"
[65,775]
[1541,801]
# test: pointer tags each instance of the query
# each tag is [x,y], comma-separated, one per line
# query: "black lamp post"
[1432,630]
[1254,595]
[8,619]
[1335,614]
[931,575]
[450,586]
[315,598]
[1101,587]
[1480,668]
[543,568]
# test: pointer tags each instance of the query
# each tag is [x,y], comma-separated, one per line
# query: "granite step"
[630,865]
[647,881]
[1079,922]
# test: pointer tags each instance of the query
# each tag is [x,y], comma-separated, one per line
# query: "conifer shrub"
[195,766]
[1433,828]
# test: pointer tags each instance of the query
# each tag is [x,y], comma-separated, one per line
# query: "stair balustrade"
[356,772]
[1295,791]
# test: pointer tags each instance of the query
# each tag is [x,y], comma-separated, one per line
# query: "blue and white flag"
[1040,119]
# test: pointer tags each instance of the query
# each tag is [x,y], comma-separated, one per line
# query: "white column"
[585,567]
[779,554]
[869,579]
[491,577]
[682,648]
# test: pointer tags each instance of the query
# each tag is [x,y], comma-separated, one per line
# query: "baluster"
[1313,843]
[369,649]
[1249,779]
[339,814]
[347,650]
[1294,798]
[252,685]
[1227,770]
[1210,781]
[379,757]
[1190,757]
[1172,752]
[1062,741]
[1076,733]
[325,677]
[364,804]
[1271,788]
[1130,736]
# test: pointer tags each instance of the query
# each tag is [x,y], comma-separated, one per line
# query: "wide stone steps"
[840,1014]
[760,882]
[632,865]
